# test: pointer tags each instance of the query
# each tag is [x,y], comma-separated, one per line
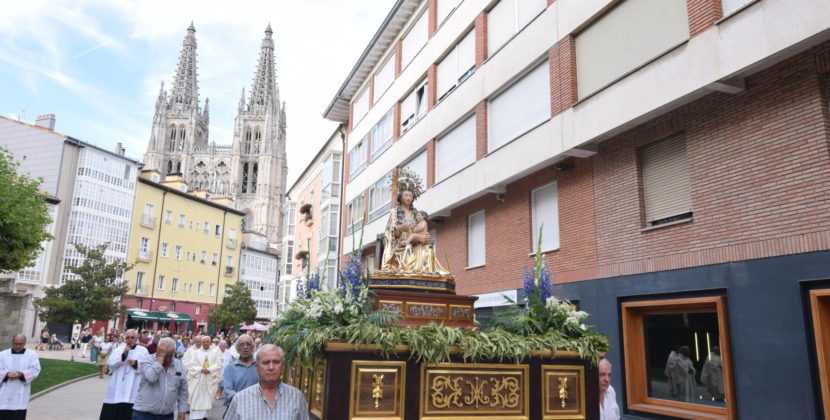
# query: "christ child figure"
[418,234]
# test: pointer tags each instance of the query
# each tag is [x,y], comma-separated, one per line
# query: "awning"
[142,315]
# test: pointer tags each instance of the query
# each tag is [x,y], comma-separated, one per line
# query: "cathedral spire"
[185,85]
[264,89]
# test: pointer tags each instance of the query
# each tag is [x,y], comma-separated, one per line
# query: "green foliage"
[237,307]
[54,372]
[94,295]
[23,216]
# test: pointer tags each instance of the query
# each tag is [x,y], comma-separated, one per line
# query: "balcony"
[145,255]
[231,243]
[141,290]
[228,270]
[148,221]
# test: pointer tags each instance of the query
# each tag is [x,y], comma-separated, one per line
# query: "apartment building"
[670,156]
[95,188]
[259,270]
[186,247]
[312,220]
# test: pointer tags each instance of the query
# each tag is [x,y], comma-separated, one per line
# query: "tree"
[23,216]
[95,295]
[237,307]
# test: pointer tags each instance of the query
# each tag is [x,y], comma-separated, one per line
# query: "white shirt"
[123,386]
[608,409]
[106,348]
[14,393]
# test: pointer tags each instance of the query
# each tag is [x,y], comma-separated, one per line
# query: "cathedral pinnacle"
[185,85]
[264,90]
[191,28]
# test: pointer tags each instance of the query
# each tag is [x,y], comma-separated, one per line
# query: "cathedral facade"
[251,170]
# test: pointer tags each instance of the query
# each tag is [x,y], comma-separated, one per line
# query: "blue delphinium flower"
[313,284]
[352,276]
[300,289]
[529,285]
[545,284]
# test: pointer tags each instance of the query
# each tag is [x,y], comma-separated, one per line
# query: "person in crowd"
[104,352]
[44,340]
[163,387]
[671,363]
[203,366]
[240,373]
[683,373]
[86,337]
[257,344]
[608,408]
[712,374]
[18,368]
[97,342]
[125,363]
[222,345]
[144,339]
[183,348]
[269,398]
[151,348]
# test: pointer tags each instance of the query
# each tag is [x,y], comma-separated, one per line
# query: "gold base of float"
[355,383]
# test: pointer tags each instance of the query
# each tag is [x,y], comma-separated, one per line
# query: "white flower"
[338,308]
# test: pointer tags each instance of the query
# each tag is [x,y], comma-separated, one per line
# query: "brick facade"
[481,39]
[562,62]
[703,14]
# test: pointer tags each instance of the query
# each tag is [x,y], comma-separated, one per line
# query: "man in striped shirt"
[163,388]
[269,399]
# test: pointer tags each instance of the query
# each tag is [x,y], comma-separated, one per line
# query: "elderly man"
[269,399]
[18,368]
[204,373]
[124,363]
[240,373]
[163,388]
[608,409]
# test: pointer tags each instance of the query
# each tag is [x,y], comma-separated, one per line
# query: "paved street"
[81,400]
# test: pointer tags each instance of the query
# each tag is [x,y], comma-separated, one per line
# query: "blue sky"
[98,64]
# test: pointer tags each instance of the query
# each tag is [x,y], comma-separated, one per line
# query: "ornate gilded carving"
[563,390]
[377,389]
[427,310]
[391,306]
[496,391]
[460,312]
[441,383]
[505,392]
[476,396]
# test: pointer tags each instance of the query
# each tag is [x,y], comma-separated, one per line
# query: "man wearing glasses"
[240,373]
[124,363]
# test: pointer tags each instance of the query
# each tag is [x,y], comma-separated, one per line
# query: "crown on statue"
[406,179]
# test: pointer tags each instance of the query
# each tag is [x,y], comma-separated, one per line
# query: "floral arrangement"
[301,255]
[305,210]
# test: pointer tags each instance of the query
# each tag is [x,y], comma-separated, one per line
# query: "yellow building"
[186,249]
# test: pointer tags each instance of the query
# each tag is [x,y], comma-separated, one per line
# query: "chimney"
[119,149]
[46,121]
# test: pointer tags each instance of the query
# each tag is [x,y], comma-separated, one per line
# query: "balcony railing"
[148,221]
[142,290]
[231,243]
[228,270]
[145,255]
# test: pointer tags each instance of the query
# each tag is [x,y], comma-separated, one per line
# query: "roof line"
[190,196]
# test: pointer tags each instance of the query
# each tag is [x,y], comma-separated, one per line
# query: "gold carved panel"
[318,389]
[426,310]
[461,312]
[391,305]
[563,392]
[474,391]
[378,390]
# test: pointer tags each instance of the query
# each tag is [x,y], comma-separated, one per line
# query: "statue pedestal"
[411,283]
[418,308]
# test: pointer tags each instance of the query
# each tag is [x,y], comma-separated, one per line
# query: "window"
[508,18]
[545,217]
[168,217]
[144,249]
[203,257]
[380,197]
[200,288]
[289,252]
[456,149]
[357,159]
[445,7]
[161,283]
[475,240]
[360,106]
[732,6]
[820,306]
[198,309]
[164,248]
[382,135]
[139,283]
[414,40]
[357,210]
[214,259]
[385,76]
[627,37]
[217,230]
[458,65]
[147,217]
[665,177]
[418,165]
[181,220]
[414,106]
[520,108]
[229,261]
[232,238]
[154,178]
[212,290]
[677,358]
[331,175]
[206,228]
[175,285]
[178,255]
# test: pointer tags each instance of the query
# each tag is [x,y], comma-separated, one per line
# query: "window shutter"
[501,24]
[521,107]
[475,240]
[418,164]
[529,9]
[466,51]
[447,73]
[546,216]
[444,9]
[414,40]
[627,37]
[731,6]
[361,106]
[665,179]
[384,76]
[456,149]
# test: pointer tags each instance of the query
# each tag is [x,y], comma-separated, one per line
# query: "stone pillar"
[12,311]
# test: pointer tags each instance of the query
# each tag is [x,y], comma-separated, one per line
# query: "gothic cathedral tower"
[253,169]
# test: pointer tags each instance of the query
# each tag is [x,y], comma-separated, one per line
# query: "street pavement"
[81,400]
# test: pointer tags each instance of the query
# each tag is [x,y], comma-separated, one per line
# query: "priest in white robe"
[19,366]
[203,365]
[125,364]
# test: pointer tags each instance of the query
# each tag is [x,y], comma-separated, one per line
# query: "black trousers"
[12,414]
[120,411]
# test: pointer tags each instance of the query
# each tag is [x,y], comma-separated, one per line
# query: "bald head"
[18,342]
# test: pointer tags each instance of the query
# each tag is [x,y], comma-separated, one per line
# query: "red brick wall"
[481,130]
[432,18]
[396,120]
[398,58]
[562,62]
[481,39]
[703,14]
[371,91]
[430,163]
[432,89]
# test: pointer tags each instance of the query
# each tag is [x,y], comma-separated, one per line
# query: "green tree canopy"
[95,295]
[237,307]
[23,216]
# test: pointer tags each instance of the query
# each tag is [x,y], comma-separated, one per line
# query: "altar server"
[125,364]
[19,366]
[203,366]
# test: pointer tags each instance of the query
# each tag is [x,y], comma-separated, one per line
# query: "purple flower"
[352,275]
[545,285]
[529,285]
[313,284]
